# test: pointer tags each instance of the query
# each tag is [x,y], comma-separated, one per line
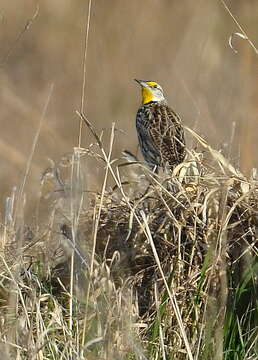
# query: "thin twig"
[170,291]
[19,36]
[239,27]
[36,137]
[84,69]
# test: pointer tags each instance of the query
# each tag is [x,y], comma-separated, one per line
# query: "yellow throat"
[151,91]
[147,95]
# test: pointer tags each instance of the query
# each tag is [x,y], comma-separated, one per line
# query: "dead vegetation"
[153,267]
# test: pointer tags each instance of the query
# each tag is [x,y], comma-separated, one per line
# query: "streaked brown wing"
[148,148]
[167,135]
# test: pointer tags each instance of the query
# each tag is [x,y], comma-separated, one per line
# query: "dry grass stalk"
[130,262]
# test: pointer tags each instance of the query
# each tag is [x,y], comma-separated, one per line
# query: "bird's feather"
[161,135]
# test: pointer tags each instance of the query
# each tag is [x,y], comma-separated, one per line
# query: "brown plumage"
[160,134]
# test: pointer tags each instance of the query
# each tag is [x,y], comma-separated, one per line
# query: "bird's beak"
[141,82]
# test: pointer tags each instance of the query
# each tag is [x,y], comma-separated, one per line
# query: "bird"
[159,129]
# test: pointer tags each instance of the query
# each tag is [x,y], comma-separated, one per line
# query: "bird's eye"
[155,86]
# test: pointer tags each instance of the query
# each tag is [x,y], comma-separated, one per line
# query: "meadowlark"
[159,129]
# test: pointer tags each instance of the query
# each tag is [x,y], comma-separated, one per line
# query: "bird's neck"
[162,102]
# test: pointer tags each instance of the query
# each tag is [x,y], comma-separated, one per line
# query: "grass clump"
[153,267]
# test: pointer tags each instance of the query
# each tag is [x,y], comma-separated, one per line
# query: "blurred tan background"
[181,44]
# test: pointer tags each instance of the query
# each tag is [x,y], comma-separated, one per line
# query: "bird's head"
[151,92]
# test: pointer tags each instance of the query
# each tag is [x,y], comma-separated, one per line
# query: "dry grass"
[156,267]
[205,81]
